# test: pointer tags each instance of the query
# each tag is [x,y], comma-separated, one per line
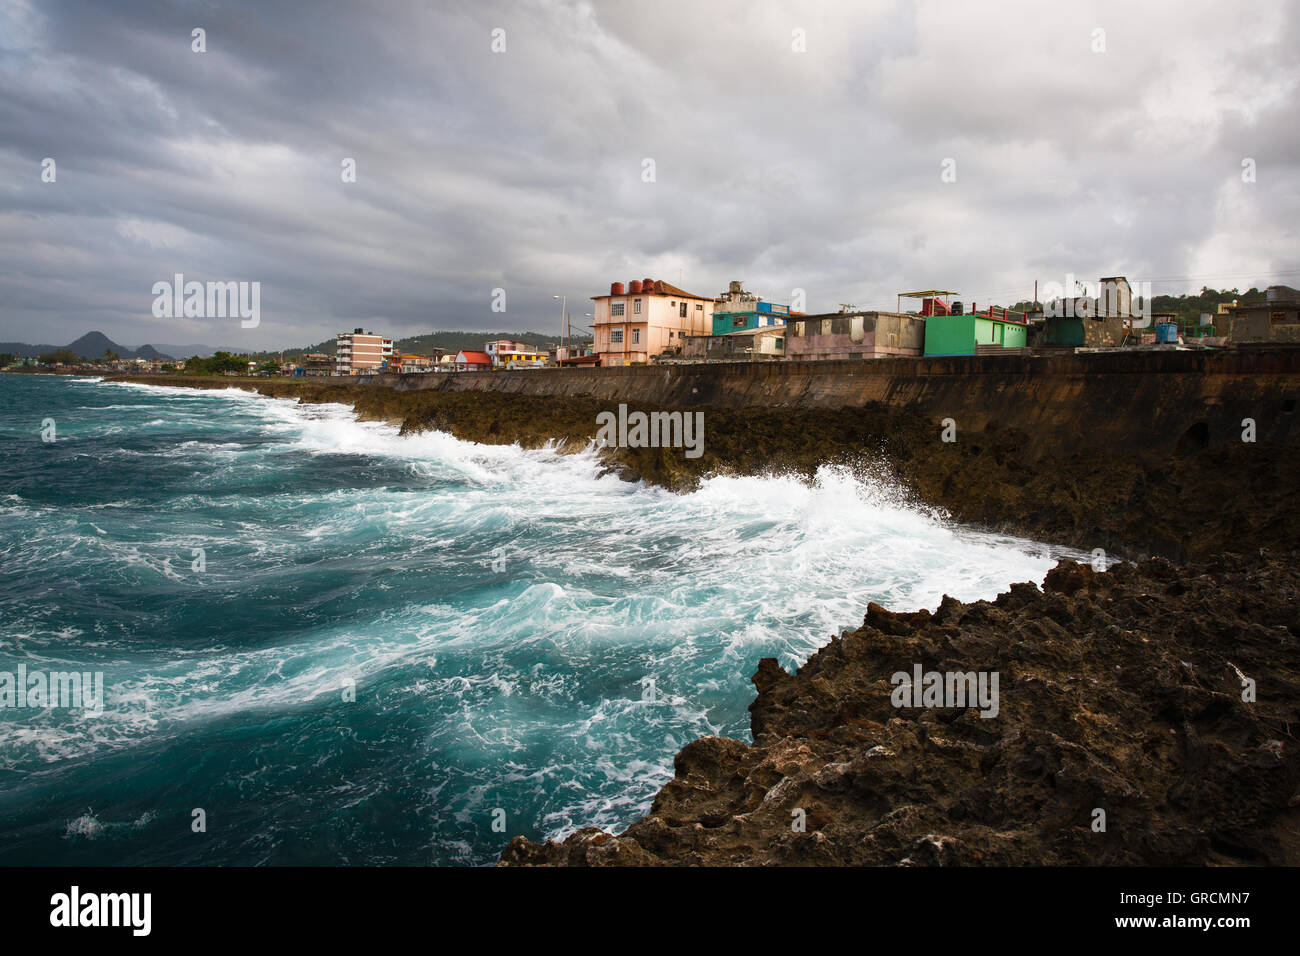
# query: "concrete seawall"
[1150,400]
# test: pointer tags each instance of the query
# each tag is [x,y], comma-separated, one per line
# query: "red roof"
[476,358]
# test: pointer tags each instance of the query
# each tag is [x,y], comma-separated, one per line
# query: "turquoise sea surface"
[350,647]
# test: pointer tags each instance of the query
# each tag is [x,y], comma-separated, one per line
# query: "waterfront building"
[507,354]
[746,345]
[505,351]
[1272,317]
[572,355]
[411,364]
[852,335]
[645,318]
[359,351]
[736,310]
[317,364]
[471,361]
[951,329]
[1101,321]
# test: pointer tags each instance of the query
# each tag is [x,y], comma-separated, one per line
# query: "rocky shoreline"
[1197,500]
[1120,691]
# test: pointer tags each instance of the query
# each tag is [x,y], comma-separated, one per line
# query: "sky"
[508,152]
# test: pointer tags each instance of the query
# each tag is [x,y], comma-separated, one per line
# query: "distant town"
[649,321]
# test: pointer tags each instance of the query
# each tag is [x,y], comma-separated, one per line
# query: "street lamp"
[563,316]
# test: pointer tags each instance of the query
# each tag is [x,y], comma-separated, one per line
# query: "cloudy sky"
[795,145]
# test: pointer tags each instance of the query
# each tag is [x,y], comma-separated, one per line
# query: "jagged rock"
[1119,691]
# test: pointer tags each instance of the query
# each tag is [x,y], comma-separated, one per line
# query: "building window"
[636,306]
[616,308]
[682,312]
[636,336]
[616,336]
[699,306]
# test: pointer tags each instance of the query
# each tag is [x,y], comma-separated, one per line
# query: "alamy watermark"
[213,300]
[946,689]
[71,689]
[128,910]
[1084,299]
[651,430]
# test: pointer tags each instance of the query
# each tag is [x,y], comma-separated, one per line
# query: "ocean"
[323,643]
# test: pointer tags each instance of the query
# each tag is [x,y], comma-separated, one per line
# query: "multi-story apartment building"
[647,318]
[359,351]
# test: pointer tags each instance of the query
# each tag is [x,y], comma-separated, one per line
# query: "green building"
[960,334]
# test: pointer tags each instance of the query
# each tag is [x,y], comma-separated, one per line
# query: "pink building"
[636,324]
[851,335]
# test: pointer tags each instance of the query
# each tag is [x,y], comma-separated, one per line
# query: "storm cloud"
[794,146]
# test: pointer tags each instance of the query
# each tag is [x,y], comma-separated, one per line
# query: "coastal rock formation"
[1165,697]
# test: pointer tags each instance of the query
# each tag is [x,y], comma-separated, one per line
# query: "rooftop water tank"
[635,287]
[616,288]
[1167,332]
[648,285]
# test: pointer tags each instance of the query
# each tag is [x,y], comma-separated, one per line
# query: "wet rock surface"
[1119,692]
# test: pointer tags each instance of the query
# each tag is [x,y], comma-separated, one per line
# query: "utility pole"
[564,315]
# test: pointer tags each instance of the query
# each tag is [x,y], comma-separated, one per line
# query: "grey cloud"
[817,170]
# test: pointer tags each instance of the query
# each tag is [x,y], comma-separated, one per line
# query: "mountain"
[92,345]
[151,353]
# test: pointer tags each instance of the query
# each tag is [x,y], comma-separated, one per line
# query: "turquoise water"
[522,635]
